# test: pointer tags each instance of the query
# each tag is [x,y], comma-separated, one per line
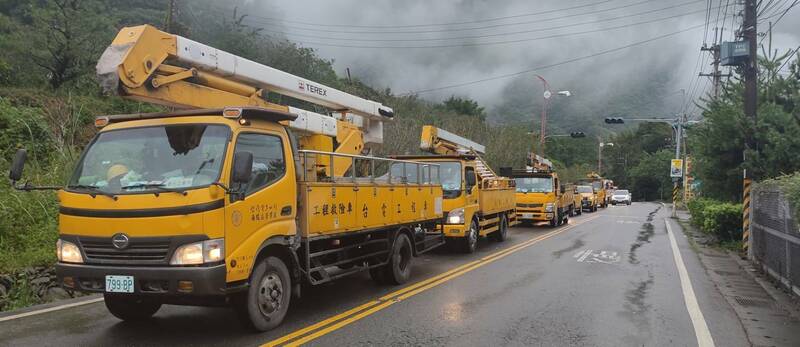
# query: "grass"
[21,295]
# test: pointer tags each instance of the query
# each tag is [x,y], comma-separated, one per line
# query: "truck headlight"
[197,253]
[68,252]
[455,216]
[548,207]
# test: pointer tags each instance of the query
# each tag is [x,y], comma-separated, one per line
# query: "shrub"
[697,208]
[723,220]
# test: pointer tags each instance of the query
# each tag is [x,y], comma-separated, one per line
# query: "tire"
[502,231]
[131,308]
[580,211]
[571,211]
[265,303]
[555,221]
[470,241]
[629,203]
[398,270]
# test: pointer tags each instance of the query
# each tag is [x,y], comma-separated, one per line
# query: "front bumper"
[163,281]
[534,216]
[455,230]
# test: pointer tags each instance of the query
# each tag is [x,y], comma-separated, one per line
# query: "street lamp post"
[545,104]
[600,155]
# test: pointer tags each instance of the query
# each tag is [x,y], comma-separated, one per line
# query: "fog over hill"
[416,45]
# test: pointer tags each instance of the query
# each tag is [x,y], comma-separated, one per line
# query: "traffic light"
[615,121]
[577,134]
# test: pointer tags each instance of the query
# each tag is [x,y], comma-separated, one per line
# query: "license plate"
[527,215]
[119,284]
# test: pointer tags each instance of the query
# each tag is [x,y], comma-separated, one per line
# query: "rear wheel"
[502,229]
[571,211]
[398,271]
[579,211]
[131,308]
[470,240]
[264,305]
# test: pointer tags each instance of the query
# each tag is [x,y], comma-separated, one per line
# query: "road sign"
[547,94]
[676,168]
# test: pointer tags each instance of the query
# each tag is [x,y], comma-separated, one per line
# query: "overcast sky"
[382,41]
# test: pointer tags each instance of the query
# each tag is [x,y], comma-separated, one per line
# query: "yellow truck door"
[269,206]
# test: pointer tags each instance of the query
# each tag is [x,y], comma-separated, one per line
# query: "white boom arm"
[230,66]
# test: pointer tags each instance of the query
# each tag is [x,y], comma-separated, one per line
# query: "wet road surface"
[607,279]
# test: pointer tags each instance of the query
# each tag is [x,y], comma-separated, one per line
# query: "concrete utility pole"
[716,75]
[678,126]
[750,71]
[168,27]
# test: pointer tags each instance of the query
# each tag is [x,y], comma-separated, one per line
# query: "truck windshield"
[597,185]
[585,189]
[152,158]
[534,184]
[450,175]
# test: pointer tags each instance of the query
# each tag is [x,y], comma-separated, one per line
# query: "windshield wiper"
[159,186]
[93,191]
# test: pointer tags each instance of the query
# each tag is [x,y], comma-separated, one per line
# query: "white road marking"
[585,254]
[50,309]
[701,331]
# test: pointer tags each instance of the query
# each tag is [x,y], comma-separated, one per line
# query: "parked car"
[621,196]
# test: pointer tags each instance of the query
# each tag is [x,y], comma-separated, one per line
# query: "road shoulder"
[764,319]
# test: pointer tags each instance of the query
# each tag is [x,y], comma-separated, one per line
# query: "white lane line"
[50,309]
[701,331]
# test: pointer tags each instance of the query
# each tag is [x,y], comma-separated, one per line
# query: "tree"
[465,106]
[68,37]
[718,143]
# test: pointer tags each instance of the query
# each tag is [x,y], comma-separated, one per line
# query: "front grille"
[154,250]
[529,205]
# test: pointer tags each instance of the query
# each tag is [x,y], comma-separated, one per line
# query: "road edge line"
[50,309]
[704,338]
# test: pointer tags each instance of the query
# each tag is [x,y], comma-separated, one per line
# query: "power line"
[547,66]
[267,23]
[282,20]
[490,35]
[474,44]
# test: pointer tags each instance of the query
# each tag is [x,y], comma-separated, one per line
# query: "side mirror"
[563,189]
[242,167]
[471,180]
[18,165]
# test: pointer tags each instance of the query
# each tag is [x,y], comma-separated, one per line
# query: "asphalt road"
[607,279]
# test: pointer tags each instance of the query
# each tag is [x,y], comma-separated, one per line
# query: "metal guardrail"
[774,242]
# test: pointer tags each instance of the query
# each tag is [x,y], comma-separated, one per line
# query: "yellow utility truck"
[541,197]
[231,199]
[600,186]
[588,199]
[477,202]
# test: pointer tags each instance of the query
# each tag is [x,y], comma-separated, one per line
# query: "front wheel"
[502,230]
[470,241]
[266,302]
[131,308]
[554,222]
